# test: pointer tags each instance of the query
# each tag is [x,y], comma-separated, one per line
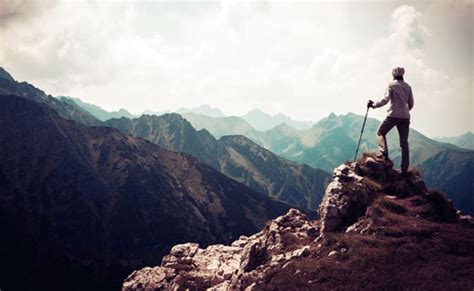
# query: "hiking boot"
[387,162]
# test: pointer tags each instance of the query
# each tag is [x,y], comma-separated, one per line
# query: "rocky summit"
[378,229]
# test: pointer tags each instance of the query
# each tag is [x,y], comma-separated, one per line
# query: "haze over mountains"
[264,121]
[333,140]
[90,204]
[203,109]
[97,111]
[256,119]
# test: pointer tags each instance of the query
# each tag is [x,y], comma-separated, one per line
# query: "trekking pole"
[361,132]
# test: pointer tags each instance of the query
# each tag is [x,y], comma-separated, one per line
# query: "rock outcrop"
[374,223]
[232,267]
[349,194]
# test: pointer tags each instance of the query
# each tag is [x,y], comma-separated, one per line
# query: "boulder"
[343,203]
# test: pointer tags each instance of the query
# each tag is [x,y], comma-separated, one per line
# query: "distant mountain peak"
[124,111]
[257,111]
[97,111]
[284,127]
[263,121]
[204,109]
[340,117]
[207,106]
[5,75]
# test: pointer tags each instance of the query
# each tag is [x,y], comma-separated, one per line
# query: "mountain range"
[298,185]
[235,156]
[256,118]
[89,204]
[333,140]
[263,121]
[327,143]
[103,202]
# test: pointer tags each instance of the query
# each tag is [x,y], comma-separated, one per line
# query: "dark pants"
[403,127]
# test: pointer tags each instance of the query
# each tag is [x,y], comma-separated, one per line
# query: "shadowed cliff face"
[451,171]
[265,172]
[90,204]
[235,156]
[378,230]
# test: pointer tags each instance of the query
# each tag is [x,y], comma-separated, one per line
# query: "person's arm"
[384,100]
[411,102]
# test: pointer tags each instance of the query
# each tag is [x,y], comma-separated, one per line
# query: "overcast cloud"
[303,59]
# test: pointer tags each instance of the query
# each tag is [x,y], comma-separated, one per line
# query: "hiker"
[400,95]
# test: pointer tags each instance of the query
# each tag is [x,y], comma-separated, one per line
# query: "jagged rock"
[241,241]
[180,254]
[148,279]
[233,267]
[350,193]
[343,201]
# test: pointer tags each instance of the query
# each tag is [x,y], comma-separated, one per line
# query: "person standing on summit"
[400,96]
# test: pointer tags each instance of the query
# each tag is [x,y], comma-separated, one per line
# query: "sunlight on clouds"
[304,59]
[406,24]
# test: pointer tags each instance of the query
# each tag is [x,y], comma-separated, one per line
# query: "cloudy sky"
[304,59]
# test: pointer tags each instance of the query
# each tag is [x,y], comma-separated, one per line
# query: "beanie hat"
[398,71]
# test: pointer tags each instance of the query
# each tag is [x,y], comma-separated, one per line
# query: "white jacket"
[401,99]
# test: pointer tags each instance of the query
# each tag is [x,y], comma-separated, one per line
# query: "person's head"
[398,73]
